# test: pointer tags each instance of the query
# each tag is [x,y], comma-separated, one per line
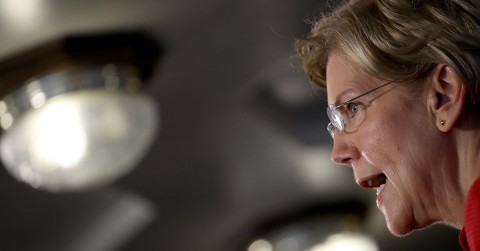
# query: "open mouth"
[376,181]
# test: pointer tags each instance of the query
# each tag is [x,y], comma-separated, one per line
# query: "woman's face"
[392,150]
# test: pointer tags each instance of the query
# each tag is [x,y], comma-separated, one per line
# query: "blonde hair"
[398,39]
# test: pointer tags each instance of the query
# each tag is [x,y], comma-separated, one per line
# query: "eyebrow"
[343,93]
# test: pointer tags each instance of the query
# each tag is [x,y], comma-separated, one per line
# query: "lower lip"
[380,195]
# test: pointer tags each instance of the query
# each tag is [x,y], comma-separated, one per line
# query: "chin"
[401,227]
[398,231]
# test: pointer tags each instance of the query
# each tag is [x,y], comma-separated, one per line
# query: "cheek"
[389,134]
[380,140]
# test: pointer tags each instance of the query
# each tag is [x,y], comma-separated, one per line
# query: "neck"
[468,152]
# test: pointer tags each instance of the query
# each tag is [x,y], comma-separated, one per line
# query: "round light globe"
[78,140]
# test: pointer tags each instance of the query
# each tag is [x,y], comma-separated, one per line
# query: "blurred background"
[241,157]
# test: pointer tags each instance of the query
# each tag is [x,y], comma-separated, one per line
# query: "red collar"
[470,235]
[462,239]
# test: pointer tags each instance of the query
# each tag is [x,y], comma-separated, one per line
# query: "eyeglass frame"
[332,111]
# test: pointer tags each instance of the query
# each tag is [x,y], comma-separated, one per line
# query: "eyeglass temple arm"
[366,93]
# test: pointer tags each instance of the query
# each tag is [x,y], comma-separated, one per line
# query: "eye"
[353,107]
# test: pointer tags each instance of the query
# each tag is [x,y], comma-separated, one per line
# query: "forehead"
[344,79]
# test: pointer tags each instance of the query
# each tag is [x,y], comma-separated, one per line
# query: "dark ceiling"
[241,141]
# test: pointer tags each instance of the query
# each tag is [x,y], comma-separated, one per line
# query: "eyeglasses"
[341,116]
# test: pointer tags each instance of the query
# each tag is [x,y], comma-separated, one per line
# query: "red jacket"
[470,235]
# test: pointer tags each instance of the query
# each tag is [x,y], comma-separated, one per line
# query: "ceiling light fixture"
[336,225]
[72,115]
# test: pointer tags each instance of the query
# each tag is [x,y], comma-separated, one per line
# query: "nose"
[343,152]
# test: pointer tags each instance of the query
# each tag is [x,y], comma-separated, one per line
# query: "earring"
[442,122]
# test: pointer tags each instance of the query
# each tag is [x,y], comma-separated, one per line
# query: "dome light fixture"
[72,114]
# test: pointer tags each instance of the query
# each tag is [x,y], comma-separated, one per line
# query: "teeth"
[370,183]
[380,188]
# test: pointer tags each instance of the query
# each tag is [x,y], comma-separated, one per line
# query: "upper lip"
[372,181]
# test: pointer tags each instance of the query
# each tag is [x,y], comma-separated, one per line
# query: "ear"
[446,97]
